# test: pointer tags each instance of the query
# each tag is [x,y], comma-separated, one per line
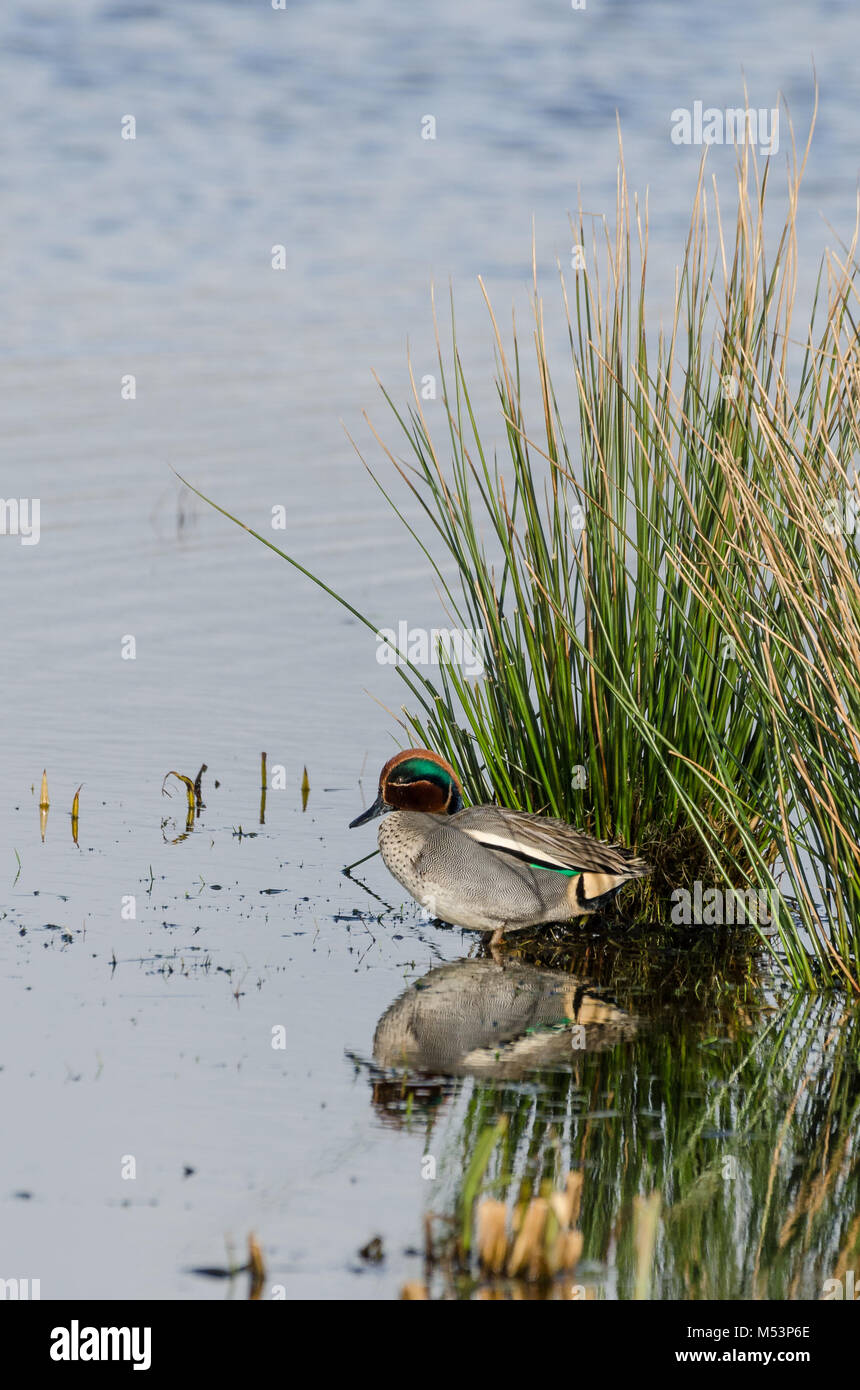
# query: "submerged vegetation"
[668,593]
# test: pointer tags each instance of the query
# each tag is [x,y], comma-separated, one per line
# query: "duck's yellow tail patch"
[595,885]
[588,887]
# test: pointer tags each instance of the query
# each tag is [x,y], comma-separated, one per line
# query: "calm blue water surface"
[152,257]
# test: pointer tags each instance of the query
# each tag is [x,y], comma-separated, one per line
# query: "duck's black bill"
[377,809]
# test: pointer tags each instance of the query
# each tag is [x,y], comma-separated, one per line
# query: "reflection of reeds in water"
[530,1251]
[542,1241]
[716,1164]
[45,806]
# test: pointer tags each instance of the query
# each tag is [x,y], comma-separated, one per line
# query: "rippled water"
[151,1037]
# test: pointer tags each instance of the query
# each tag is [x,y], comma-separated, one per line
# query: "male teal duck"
[488,868]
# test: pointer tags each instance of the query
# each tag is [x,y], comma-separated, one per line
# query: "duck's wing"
[545,842]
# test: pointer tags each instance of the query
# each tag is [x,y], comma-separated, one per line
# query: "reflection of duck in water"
[474,1017]
[488,868]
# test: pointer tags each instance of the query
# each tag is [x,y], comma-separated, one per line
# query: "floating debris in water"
[198,788]
[373,1251]
[75,809]
[255,1268]
[189,786]
[414,1290]
[44,804]
[194,793]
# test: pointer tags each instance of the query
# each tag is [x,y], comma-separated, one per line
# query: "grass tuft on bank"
[667,580]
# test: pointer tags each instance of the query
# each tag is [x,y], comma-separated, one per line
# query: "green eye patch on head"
[420,770]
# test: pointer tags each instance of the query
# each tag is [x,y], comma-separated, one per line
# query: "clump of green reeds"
[670,618]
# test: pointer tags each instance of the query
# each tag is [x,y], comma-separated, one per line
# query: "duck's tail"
[591,890]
